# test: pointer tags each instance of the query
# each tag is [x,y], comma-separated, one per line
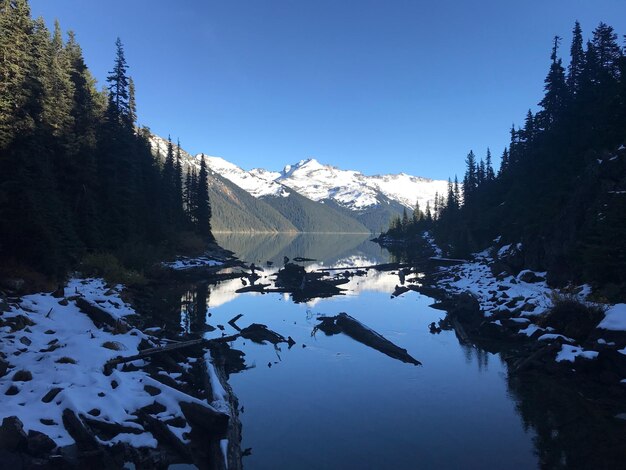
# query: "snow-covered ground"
[57,356]
[182,263]
[523,302]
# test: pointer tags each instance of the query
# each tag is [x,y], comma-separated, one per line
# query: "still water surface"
[330,402]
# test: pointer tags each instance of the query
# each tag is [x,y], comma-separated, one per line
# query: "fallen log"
[252,288]
[232,321]
[344,323]
[168,348]
[258,333]
[379,267]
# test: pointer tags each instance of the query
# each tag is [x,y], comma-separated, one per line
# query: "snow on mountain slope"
[257,185]
[349,188]
[250,182]
[354,190]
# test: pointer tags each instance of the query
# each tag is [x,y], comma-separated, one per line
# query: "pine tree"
[203,205]
[119,84]
[577,61]
[15,61]
[555,97]
[132,103]
[489,173]
[417,213]
[429,215]
[504,165]
[470,181]
[607,50]
[405,220]
[480,174]
[178,175]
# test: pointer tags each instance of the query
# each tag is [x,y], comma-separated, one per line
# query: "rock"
[512,258]
[4,367]
[59,293]
[151,390]
[39,444]
[12,390]
[12,435]
[25,341]
[18,322]
[154,409]
[85,440]
[529,277]
[22,376]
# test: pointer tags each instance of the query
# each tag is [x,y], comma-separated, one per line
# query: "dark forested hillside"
[561,187]
[76,174]
[312,216]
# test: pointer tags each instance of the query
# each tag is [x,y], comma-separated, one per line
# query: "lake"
[331,402]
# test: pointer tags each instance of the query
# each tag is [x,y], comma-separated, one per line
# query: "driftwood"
[344,323]
[258,333]
[378,267]
[252,288]
[232,321]
[168,348]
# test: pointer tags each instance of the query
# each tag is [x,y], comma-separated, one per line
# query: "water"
[338,404]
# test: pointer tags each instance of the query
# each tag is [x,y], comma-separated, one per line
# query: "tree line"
[560,188]
[77,175]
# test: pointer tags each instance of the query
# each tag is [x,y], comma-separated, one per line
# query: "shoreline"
[64,405]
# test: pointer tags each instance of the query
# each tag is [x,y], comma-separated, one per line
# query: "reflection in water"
[325,247]
[193,309]
[353,407]
[574,426]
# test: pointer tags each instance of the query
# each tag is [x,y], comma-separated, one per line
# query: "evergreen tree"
[178,176]
[16,29]
[119,86]
[132,103]
[203,205]
[417,213]
[489,173]
[607,50]
[480,174]
[429,215]
[504,163]
[470,181]
[555,90]
[405,220]
[577,62]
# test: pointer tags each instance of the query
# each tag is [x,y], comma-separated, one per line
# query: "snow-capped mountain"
[352,189]
[310,195]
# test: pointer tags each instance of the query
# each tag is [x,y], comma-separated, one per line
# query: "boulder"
[39,444]
[12,435]
[529,277]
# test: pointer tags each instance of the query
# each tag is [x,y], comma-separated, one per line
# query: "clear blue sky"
[380,86]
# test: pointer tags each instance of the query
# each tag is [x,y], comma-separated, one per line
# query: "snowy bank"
[55,356]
